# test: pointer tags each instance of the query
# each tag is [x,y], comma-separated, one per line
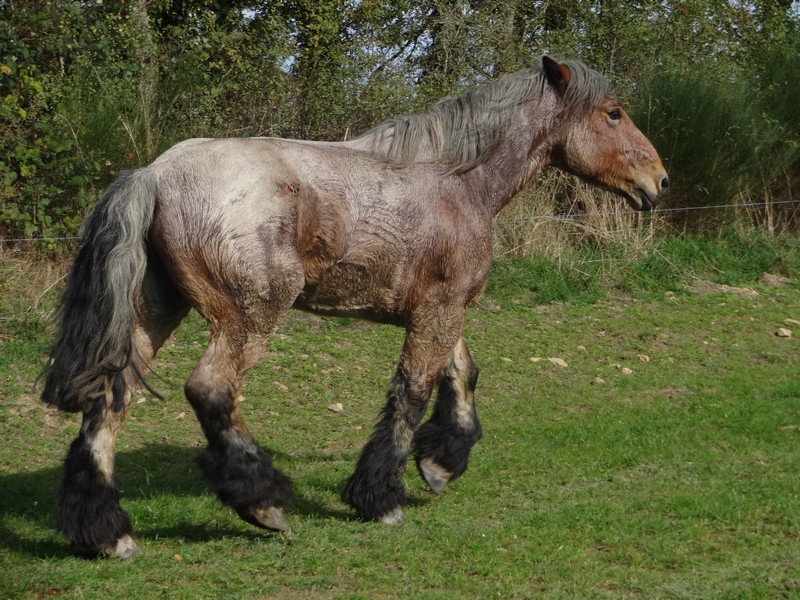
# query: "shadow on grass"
[28,500]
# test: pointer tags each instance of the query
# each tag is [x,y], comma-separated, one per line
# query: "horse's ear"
[557,74]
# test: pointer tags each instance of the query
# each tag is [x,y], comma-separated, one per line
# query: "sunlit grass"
[678,479]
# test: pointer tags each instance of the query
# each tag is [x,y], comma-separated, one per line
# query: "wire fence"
[40,239]
[555,217]
[570,217]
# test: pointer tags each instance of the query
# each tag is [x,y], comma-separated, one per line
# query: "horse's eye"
[615,114]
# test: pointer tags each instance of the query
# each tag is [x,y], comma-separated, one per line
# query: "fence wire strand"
[568,217]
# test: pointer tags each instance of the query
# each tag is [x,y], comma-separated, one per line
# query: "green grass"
[664,264]
[678,480]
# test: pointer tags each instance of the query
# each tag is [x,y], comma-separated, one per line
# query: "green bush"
[779,150]
[44,188]
[703,130]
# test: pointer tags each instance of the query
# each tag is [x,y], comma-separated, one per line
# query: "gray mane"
[463,130]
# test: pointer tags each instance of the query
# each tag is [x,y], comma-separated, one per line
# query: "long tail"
[96,316]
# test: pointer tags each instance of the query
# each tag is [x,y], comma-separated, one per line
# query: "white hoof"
[393,517]
[125,548]
[270,518]
[434,475]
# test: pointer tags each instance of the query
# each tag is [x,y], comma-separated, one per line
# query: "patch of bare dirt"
[770,280]
[701,286]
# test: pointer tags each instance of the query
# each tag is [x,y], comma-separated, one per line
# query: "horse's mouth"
[640,200]
[647,202]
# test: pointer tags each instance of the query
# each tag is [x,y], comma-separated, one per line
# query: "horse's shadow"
[28,501]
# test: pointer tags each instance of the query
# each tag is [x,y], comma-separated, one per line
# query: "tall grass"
[728,140]
[29,287]
[703,130]
[573,242]
[779,140]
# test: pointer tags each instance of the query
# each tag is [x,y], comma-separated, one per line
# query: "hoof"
[269,517]
[434,475]
[393,517]
[125,548]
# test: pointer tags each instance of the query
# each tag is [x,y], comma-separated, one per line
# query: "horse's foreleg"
[238,468]
[442,445]
[375,489]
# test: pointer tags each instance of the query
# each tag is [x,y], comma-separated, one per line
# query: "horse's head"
[599,142]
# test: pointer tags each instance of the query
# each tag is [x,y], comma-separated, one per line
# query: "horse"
[394,226]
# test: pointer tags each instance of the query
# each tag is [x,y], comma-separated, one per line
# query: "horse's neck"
[524,152]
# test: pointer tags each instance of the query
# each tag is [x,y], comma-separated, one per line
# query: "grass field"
[662,461]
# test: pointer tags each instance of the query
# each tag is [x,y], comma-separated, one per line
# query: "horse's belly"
[347,289]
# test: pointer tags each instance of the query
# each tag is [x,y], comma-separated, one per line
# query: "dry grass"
[765,211]
[557,213]
[29,285]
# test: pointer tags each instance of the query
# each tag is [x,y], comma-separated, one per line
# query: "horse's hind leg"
[442,445]
[89,511]
[90,514]
[238,468]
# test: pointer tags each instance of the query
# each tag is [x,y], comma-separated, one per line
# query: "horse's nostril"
[665,183]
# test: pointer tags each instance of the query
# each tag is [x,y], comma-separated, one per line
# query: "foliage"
[780,89]
[703,127]
[44,188]
[88,89]
[727,137]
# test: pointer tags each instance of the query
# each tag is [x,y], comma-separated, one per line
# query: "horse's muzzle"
[649,195]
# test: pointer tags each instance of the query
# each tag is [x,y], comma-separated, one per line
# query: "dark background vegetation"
[90,88]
